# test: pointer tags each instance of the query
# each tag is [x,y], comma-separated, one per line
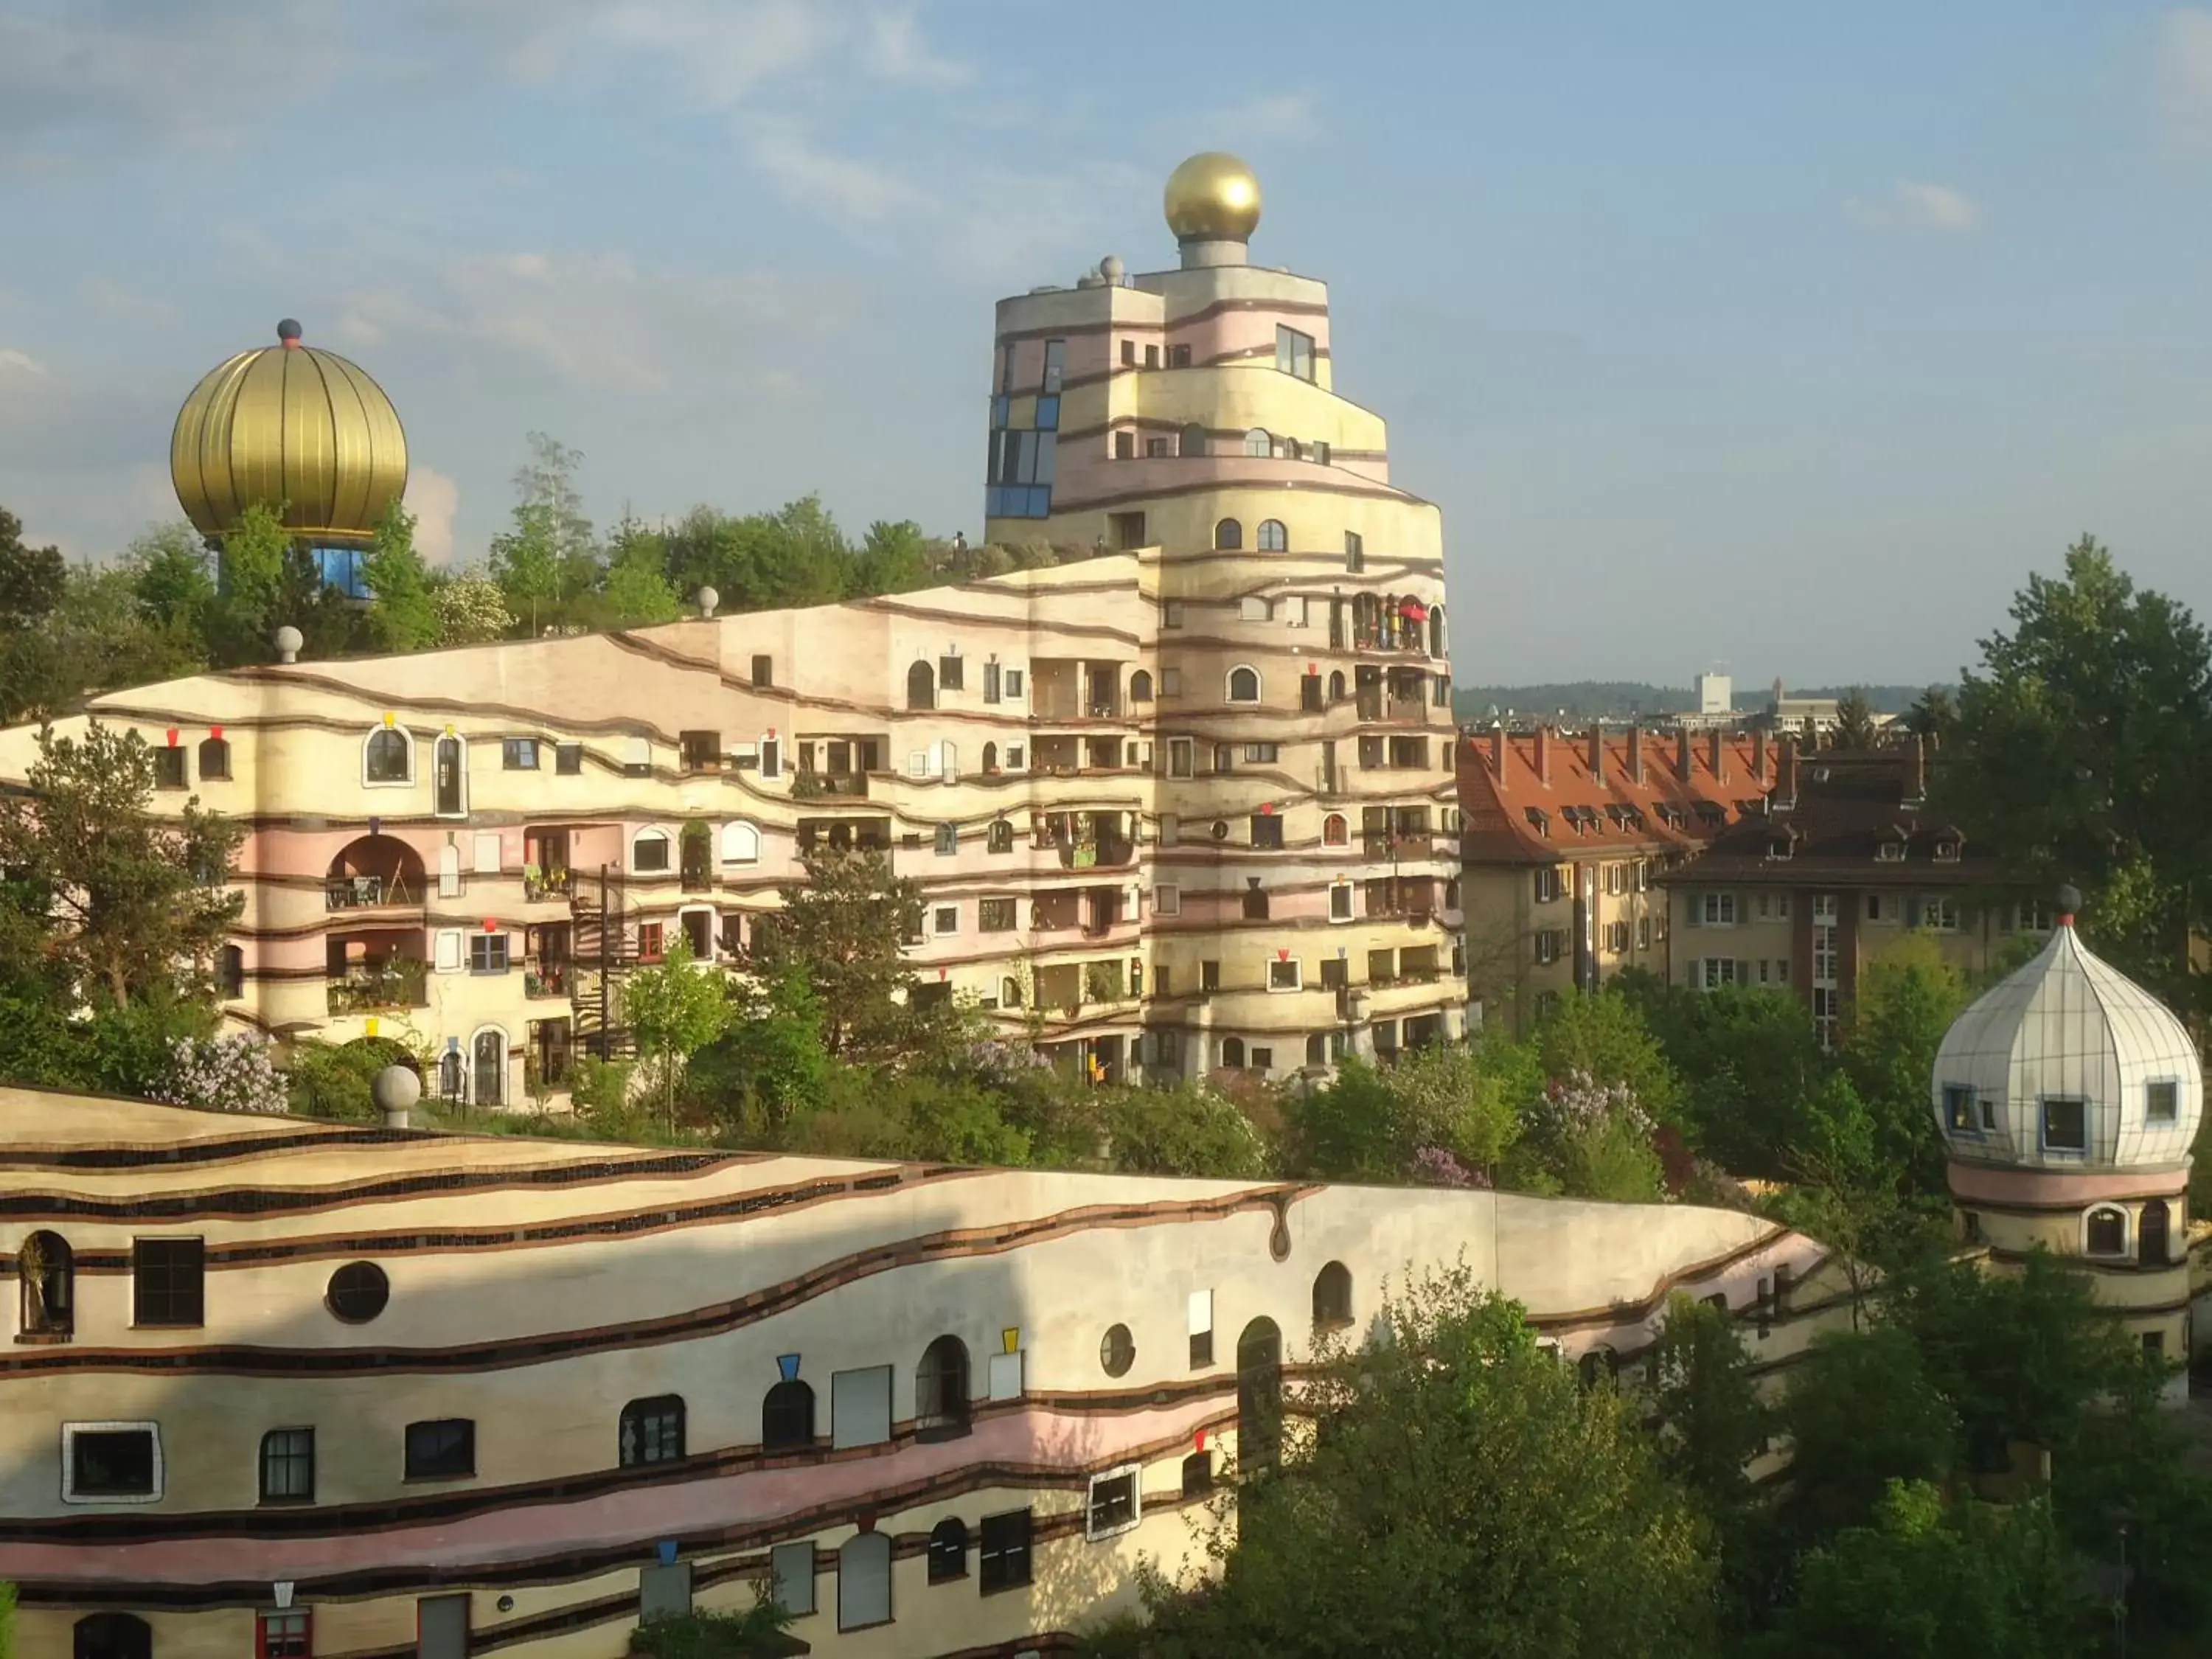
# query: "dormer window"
[1711,811]
[1946,851]
[1889,850]
[1540,821]
[1958,1114]
[2066,1124]
[1779,848]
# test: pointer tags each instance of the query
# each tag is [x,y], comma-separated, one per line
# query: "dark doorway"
[448,802]
[2152,1249]
[1259,1397]
[113,1636]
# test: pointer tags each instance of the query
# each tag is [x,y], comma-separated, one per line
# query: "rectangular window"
[1959,1108]
[771,758]
[947,919]
[1172,613]
[1547,947]
[168,1281]
[517,754]
[1115,1503]
[1355,552]
[1294,352]
[441,1449]
[1179,356]
[763,670]
[1714,910]
[1267,830]
[1055,365]
[1201,1329]
[1125,446]
[951,677]
[1015,754]
[861,1406]
[1152,356]
[1166,900]
[568,759]
[1548,884]
[1182,757]
[1171,681]
[288,1466]
[1286,976]
[791,1567]
[111,1462]
[1013,684]
[1129,353]
[992,681]
[1265,754]
[1209,975]
[1339,901]
[1158,449]
[169,768]
[995,915]
[484,853]
[652,941]
[2163,1102]
[652,1431]
[701,750]
[284,1635]
[487,953]
[1003,1562]
[2065,1125]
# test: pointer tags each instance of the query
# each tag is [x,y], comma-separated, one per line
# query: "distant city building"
[1805,717]
[1846,859]
[1715,694]
[2068,1098]
[1183,807]
[1567,839]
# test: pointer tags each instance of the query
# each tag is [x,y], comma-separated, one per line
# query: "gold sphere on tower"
[288,424]
[1212,197]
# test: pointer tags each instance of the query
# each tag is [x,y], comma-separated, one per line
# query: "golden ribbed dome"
[292,425]
[1212,197]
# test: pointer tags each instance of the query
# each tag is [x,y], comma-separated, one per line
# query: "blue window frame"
[2066,1124]
[1958,1114]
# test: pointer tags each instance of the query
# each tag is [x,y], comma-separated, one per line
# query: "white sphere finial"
[395,1090]
[708,598]
[288,641]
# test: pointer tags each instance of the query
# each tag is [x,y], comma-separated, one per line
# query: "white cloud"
[15,364]
[843,187]
[433,499]
[1273,115]
[2184,81]
[1913,205]
[126,304]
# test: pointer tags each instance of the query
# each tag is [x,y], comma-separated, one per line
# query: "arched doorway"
[112,1636]
[940,1390]
[1259,1397]
[45,1268]
[372,871]
[2152,1249]
[450,773]
[488,1057]
[921,686]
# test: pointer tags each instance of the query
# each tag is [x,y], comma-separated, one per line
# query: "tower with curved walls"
[1289,711]
[2068,1097]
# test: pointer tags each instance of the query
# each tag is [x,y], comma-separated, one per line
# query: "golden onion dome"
[1212,197]
[292,425]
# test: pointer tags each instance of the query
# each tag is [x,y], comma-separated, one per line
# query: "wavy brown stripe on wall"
[713,1319]
[1618,1312]
[240,1203]
[19,1157]
[588,1564]
[1182,319]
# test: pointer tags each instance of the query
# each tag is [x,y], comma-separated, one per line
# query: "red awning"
[1414,611]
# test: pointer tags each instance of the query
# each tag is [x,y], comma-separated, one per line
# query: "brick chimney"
[1758,756]
[1597,751]
[1497,751]
[1544,755]
[1716,757]
[1786,786]
[1916,776]
[1636,755]
[1682,754]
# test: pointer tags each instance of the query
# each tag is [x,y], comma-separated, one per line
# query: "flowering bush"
[1577,1105]
[472,611]
[225,1074]
[1436,1166]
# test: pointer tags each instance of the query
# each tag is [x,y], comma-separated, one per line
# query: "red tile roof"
[1540,797]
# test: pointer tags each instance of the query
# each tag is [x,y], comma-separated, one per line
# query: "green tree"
[1712,1422]
[842,928]
[1855,721]
[1860,1413]
[1603,1035]
[33,579]
[526,562]
[1189,1131]
[673,1009]
[137,904]
[2081,752]
[1463,1497]
[635,588]
[893,559]
[547,483]
[1908,995]
[1748,1061]
[472,611]
[1975,1581]
[247,608]
[404,617]
[770,1066]
[1934,713]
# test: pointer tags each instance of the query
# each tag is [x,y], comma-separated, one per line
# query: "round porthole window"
[1117,1350]
[358,1292]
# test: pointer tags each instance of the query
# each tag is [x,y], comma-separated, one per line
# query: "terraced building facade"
[1186,804]
[310,1391]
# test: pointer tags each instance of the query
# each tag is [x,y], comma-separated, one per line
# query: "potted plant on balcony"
[533,882]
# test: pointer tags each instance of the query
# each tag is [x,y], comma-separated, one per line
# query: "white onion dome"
[2068,1064]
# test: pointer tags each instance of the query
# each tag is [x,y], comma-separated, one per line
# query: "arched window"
[1292,450]
[1000,837]
[1010,993]
[2106,1231]
[1274,538]
[230,973]
[1258,444]
[948,1550]
[940,1390]
[1232,1053]
[1437,640]
[112,1636]
[922,686]
[1334,831]
[1600,1365]
[648,852]
[1140,687]
[652,1430]
[1332,1297]
[452,1078]
[1228,536]
[449,789]
[990,760]
[741,842]
[387,756]
[947,839]
[1244,685]
[46,1268]
[1192,441]
[2152,1248]
[1198,1474]
[1336,686]
[214,760]
[864,1581]
[1259,1397]
[787,1417]
[488,1073]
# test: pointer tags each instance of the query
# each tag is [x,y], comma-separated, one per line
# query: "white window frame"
[1134,1474]
[70,1432]
[1259,684]
[449,870]
[1716,909]
[2127,1233]
[734,830]
[1182,757]
[1297,967]
[406,736]
[450,952]
[937,913]
[666,840]
[714,931]
[505,1062]
[1939,913]
[484,842]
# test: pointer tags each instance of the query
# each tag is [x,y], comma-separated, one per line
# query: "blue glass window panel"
[1048,414]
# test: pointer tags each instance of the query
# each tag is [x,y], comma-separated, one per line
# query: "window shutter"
[449,951]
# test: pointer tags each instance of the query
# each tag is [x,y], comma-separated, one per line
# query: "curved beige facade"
[567,1402]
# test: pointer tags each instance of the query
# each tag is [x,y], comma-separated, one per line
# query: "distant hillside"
[1621,700]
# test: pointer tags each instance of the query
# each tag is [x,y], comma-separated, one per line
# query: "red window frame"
[294,1637]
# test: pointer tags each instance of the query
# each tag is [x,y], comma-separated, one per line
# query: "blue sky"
[1789,338]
